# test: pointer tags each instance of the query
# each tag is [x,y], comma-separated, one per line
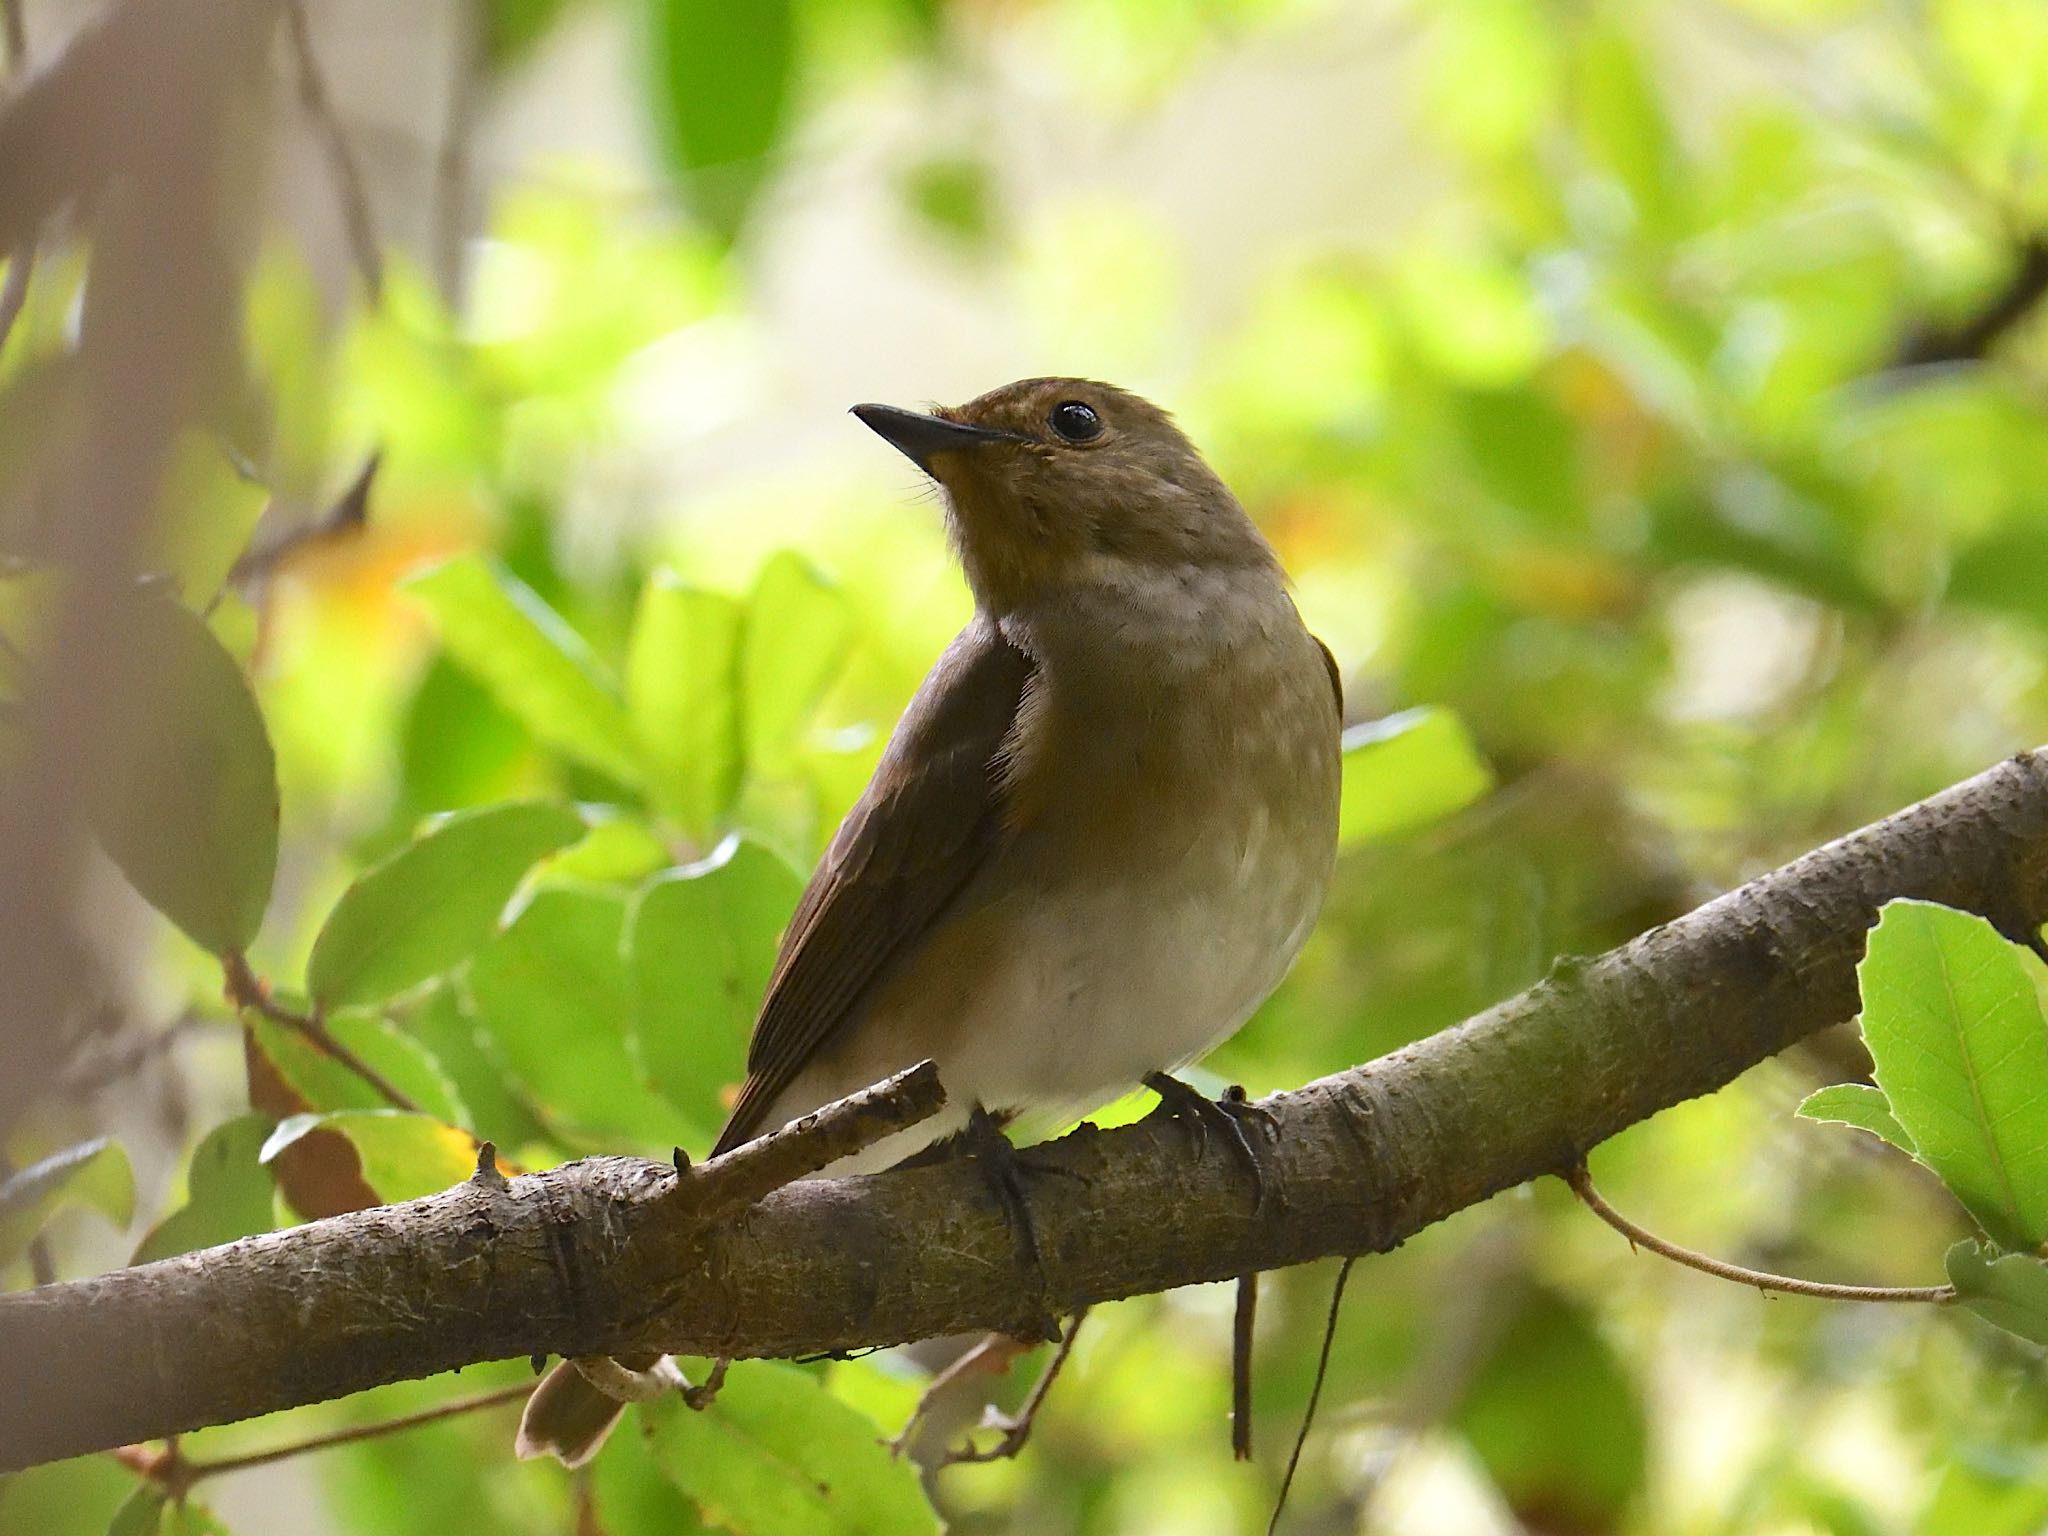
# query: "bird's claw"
[1231,1116]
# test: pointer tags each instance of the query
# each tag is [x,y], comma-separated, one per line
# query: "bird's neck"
[1128,623]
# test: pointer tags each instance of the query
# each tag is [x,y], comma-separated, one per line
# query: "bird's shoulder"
[930,816]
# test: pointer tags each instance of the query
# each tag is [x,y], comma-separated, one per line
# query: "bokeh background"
[1648,399]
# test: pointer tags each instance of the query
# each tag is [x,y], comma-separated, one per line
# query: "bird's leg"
[984,1141]
[1229,1115]
[1016,1427]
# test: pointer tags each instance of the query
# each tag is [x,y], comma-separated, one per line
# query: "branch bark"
[591,1258]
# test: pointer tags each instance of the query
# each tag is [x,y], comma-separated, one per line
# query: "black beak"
[918,437]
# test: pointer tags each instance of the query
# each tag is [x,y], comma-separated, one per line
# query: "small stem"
[341,160]
[1581,1183]
[245,989]
[1315,1393]
[178,1474]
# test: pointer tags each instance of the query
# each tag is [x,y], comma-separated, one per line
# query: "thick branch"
[590,1257]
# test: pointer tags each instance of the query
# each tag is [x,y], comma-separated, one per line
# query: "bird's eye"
[1075,422]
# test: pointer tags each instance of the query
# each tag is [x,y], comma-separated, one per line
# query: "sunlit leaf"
[631,1495]
[552,995]
[1407,771]
[77,1497]
[798,626]
[95,1174]
[228,1193]
[531,661]
[513,28]
[142,1515]
[404,1156]
[703,941]
[1961,1051]
[185,798]
[2010,1290]
[683,689]
[720,78]
[319,1081]
[423,911]
[777,1455]
[1860,1105]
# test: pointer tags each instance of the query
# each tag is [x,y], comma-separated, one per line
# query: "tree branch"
[593,1258]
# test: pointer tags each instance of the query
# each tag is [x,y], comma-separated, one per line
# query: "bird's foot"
[1233,1117]
[1001,1169]
[705,1392]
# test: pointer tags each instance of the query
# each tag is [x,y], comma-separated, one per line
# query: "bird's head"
[1056,481]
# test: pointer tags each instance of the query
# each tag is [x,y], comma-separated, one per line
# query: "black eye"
[1075,422]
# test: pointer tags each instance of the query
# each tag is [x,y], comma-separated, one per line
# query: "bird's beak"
[919,437]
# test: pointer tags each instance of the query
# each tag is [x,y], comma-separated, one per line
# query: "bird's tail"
[568,1418]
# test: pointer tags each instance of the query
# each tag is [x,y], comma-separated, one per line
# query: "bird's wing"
[927,820]
[1336,677]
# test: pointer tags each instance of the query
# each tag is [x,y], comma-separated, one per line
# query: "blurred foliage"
[1635,446]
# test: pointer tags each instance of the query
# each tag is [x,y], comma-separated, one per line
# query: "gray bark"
[596,1256]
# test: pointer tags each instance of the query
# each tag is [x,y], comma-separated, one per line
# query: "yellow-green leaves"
[798,626]
[1961,1051]
[1953,1019]
[1407,771]
[228,1194]
[777,1455]
[403,1155]
[423,911]
[682,690]
[94,1174]
[702,942]
[184,798]
[532,662]
[720,88]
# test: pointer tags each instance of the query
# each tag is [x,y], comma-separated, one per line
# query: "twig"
[1241,1366]
[1972,337]
[175,1475]
[1016,1427]
[1582,1185]
[451,158]
[852,1124]
[1315,1393]
[246,990]
[84,1082]
[341,161]
[349,515]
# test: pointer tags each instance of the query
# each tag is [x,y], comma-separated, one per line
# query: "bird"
[1100,833]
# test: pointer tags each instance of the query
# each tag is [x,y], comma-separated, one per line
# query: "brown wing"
[1336,677]
[926,822]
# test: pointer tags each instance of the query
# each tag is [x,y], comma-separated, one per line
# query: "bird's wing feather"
[1336,677]
[929,818]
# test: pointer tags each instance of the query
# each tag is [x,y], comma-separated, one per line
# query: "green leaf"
[702,945]
[531,662]
[142,1515]
[444,1024]
[797,632]
[404,1156]
[1555,1417]
[1860,1105]
[777,1455]
[324,1083]
[682,687]
[2009,1290]
[551,992]
[1407,771]
[513,28]
[720,91]
[65,1498]
[185,798]
[1961,1050]
[93,1173]
[424,910]
[630,1494]
[229,1193]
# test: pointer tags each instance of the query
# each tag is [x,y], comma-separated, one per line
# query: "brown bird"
[1101,831]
